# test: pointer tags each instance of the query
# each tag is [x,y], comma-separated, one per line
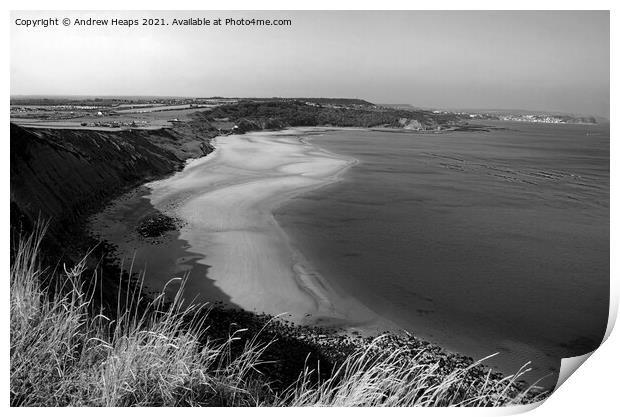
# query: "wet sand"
[230,243]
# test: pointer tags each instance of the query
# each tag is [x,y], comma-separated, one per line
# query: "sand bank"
[226,202]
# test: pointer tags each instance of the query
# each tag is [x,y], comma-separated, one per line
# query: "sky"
[539,60]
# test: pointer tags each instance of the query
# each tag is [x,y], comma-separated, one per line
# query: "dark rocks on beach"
[156,225]
[290,348]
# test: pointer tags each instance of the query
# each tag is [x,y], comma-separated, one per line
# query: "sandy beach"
[230,239]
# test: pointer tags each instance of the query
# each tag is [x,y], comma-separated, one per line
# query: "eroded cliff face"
[61,174]
[410,124]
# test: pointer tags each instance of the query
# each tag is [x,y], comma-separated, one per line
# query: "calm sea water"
[481,241]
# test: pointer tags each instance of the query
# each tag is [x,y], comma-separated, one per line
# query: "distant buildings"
[533,118]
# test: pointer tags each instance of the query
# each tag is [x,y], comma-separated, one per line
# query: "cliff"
[61,174]
[259,115]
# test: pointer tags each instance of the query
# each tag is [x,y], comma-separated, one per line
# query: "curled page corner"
[569,365]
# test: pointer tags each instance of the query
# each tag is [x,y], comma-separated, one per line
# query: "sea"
[485,242]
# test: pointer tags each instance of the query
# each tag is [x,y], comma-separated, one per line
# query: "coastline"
[215,252]
[231,234]
[253,178]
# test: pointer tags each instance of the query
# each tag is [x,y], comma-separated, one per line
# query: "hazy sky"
[513,60]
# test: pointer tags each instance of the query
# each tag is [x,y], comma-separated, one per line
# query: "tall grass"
[64,354]
[158,353]
[376,376]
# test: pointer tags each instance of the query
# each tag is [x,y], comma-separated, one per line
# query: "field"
[105,115]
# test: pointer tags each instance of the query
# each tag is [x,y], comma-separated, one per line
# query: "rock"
[156,225]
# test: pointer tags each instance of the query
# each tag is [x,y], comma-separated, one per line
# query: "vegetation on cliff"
[259,115]
[67,352]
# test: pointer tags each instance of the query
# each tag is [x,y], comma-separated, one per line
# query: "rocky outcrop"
[410,124]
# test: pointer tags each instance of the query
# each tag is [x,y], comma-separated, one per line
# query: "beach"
[230,244]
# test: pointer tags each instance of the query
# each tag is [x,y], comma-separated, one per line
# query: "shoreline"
[304,275]
[294,292]
[231,231]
